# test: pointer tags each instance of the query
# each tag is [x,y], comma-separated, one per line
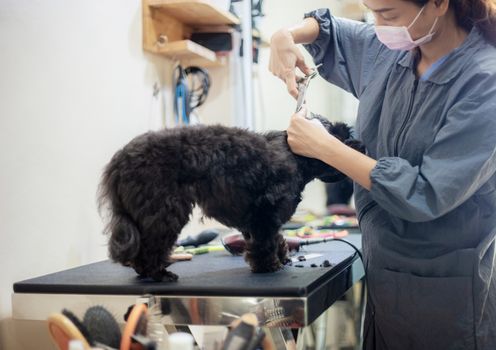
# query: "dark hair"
[481,13]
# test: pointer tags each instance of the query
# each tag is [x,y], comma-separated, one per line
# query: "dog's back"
[245,180]
[152,184]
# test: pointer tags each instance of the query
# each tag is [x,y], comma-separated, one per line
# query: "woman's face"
[400,13]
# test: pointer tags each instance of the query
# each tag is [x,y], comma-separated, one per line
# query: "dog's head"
[341,131]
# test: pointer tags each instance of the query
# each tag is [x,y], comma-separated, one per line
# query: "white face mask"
[398,38]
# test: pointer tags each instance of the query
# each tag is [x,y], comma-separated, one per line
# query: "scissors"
[303,86]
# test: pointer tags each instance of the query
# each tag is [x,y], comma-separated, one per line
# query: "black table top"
[212,274]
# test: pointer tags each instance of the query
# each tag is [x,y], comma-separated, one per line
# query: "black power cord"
[200,85]
[364,289]
[192,85]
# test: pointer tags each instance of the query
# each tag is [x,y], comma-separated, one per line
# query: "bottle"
[75,345]
[181,341]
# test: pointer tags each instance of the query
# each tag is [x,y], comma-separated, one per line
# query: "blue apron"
[429,220]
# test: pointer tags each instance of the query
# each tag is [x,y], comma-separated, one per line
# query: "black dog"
[249,181]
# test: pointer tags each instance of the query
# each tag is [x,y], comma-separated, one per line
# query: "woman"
[425,75]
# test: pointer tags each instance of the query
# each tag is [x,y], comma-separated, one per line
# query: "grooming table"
[213,289]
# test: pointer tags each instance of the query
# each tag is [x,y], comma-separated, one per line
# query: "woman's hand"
[285,56]
[308,137]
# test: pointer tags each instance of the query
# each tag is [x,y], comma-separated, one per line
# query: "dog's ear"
[338,176]
[325,122]
[330,178]
[355,144]
[339,130]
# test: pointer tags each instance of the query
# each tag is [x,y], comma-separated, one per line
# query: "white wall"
[75,86]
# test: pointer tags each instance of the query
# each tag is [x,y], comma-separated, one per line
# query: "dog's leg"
[154,254]
[262,251]
[162,230]
[161,273]
[282,249]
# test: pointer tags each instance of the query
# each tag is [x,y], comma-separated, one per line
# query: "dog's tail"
[124,243]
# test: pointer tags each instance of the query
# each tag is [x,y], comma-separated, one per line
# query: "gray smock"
[429,220]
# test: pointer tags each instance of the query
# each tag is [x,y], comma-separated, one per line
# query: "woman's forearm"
[354,164]
[306,31]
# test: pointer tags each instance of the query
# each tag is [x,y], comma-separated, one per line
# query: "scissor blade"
[302,88]
[301,96]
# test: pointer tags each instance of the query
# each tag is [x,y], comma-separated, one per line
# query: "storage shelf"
[168,24]
[191,53]
[195,12]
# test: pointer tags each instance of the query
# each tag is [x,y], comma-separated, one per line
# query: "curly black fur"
[243,179]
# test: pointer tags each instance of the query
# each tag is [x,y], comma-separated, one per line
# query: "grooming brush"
[275,315]
[64,327]
[257,340]
[236,245]
[203,237]
[240,337]
[134,334]
[103,327]
[181,341]
[156,310]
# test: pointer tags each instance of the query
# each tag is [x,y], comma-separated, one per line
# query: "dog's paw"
[267,267]
[164,276]
[170,276]
[285,261]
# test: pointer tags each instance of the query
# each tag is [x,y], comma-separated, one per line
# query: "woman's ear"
[441,6]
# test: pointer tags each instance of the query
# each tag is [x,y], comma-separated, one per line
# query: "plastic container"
[181,341]
[75,345]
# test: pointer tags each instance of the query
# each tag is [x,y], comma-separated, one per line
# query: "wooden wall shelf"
[190,53]
[168,24]
[195,12]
